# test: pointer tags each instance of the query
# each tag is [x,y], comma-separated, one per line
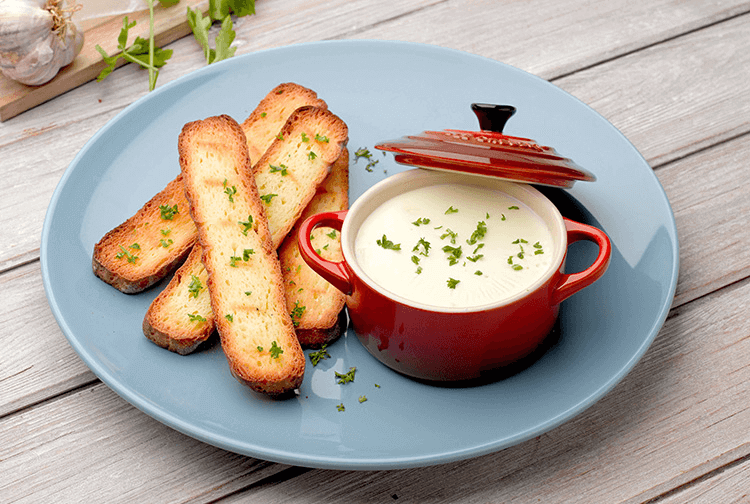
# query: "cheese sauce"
[454,246]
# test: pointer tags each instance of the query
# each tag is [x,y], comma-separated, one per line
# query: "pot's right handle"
[333,272]
[572,283]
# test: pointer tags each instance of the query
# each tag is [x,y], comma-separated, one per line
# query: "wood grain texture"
[169,24]
[710,196]
[36,361]
[692,89]
[549,38]
[675,417]
[729,486]
[89,447]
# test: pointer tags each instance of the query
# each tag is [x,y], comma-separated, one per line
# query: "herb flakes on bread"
[148,246]
[256,331]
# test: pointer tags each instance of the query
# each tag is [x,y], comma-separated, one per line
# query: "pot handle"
[333,272]
[572,283]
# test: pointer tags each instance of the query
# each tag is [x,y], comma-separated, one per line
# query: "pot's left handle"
[333,272]
[574,282]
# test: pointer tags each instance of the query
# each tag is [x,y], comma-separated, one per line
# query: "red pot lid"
[487,152]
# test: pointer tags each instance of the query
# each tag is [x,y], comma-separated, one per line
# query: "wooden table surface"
[672,75]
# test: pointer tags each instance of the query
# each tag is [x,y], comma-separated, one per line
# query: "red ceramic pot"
[451,344]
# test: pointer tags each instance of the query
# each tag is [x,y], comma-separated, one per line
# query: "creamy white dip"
[498,246]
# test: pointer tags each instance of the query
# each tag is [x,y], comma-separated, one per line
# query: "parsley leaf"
[347,377]
[388,244]
[194,317]
[200,26]
[167,212]
[452,282]
[297,313]
[268,197]
[275,350]
[319,355]
[195,286]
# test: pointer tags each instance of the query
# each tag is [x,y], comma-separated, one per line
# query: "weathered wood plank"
[681,413]
[36,362]
[91,446]
[549,38]
[677,97]
[710,196]
[728,487]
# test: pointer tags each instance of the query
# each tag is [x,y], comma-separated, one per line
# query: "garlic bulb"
[37,38]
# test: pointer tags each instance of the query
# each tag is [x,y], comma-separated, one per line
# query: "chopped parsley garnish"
[275,350]
[451,210]
[166,243]
[415,259]
[247,293]
[195,286]
[332,235]
[478,273]
[347,377]
[268,197]
[319,355]
[340,407]
[388,244]
[452,282]
[419,270]
[449,234]
[362,398]
[517,267]
[233,261]
[454,253]
[230,191]
[279,136]
[283,169]
[229,317]
[321,138]
[510,259]
[364,153]
[297,313]
[478,247]
[305,138]
[135,246]
[194,317]
[475,258]
[124,253]
[514,207]
[165,232]
[519,240]
[263,114]
[246,225]
[168,212]
[478,233]
[502,216]
[425,247]
[311,155]
[260,348]
[421,221]
[246,254]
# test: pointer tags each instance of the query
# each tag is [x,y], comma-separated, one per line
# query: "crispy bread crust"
[214,156]
[168,323]
[322,320]
[144,236]
[264,123]
[270,115]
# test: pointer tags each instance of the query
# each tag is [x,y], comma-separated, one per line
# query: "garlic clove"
[37,38]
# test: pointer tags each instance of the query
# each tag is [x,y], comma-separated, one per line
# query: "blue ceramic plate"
[382,90]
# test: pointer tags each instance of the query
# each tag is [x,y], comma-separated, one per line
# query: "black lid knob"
[492,117]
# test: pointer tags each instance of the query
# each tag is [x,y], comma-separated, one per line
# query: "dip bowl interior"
[455,338]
